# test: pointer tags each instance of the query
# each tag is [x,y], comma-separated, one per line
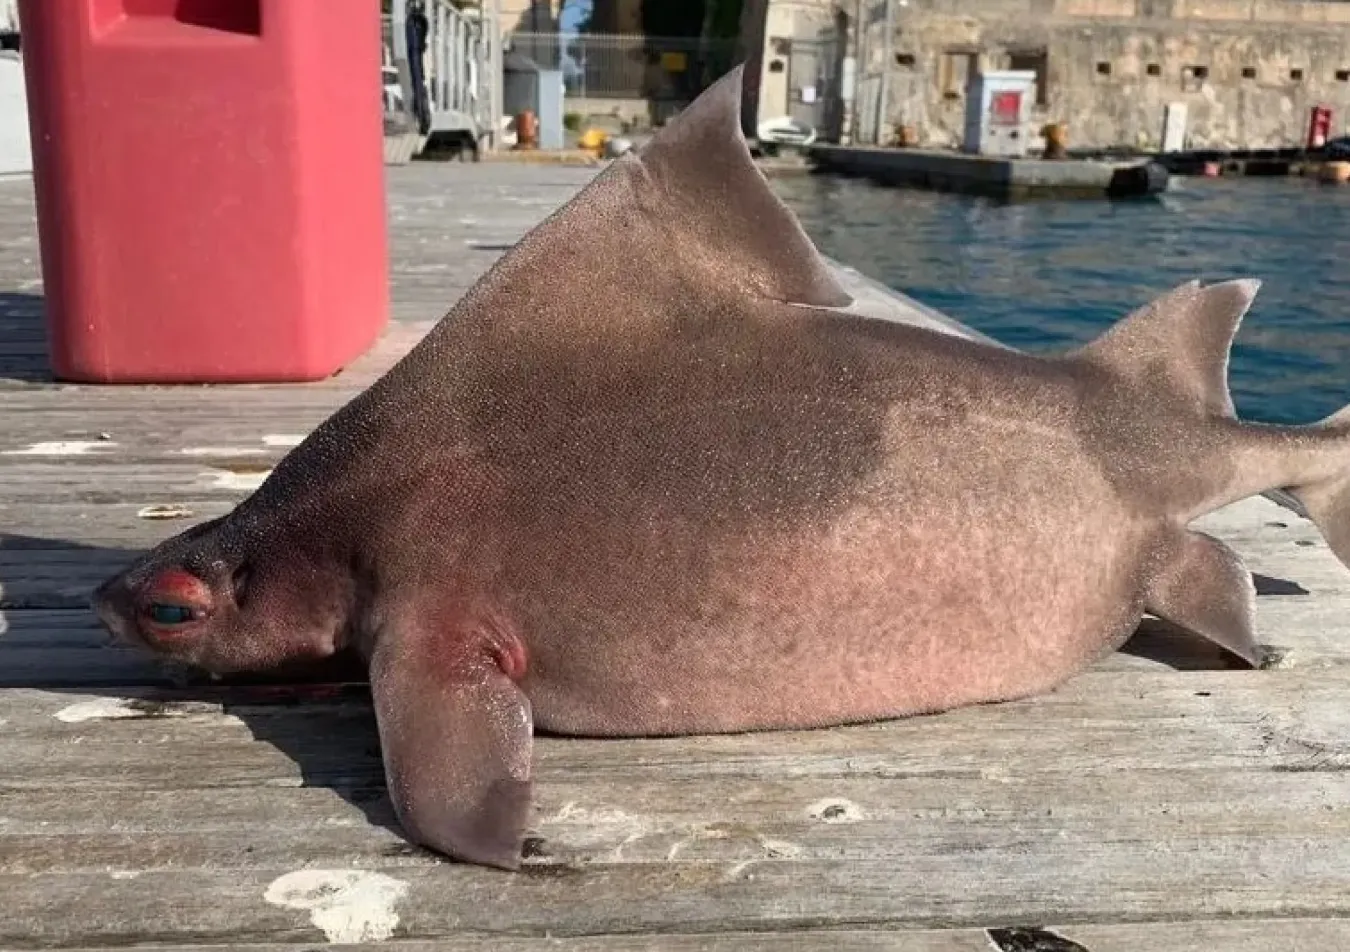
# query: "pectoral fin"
[1204,588]
[456,735]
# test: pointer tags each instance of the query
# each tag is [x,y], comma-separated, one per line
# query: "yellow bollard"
[593,140]
[1056,140]
[1334,173]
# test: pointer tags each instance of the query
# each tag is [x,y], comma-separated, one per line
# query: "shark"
[655,474]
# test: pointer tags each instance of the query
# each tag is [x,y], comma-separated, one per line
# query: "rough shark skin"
[648,478]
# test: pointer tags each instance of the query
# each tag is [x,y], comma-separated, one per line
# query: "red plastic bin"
[210,186]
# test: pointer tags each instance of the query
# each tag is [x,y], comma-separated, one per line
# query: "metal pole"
[442,49]
[496,79]
[861,70]
[852,76]
[887,44]
[398,22]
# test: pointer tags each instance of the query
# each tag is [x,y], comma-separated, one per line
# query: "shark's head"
[230,595]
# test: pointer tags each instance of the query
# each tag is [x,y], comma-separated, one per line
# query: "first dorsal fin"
[683,225]
[1179,342]
[702,170]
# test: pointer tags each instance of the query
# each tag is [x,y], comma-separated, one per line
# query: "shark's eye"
[163,613]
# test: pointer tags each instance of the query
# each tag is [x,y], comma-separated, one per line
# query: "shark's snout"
[109,603]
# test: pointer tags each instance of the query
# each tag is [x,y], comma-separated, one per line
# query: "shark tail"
[1326,498]
[1177,347]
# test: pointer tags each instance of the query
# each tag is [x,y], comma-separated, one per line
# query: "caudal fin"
[1327,501]
[1178,344]
[1177,347]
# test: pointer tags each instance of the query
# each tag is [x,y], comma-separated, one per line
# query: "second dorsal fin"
[1179,342]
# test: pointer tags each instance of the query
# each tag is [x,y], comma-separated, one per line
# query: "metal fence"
[619,66]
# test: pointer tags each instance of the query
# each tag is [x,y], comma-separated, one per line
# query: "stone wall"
[1248,70]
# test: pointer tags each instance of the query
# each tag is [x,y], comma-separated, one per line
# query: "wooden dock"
[1163,802]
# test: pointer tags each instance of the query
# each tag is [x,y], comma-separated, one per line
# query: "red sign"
[1319,126]
[1005,107]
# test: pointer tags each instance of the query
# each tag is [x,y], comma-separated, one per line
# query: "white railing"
[458,60]
[461,65]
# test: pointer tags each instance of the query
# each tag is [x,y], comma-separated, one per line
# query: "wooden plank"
[591,820]
[61,525]
[1260,935]
[218,905]
[75,668]
[65,628]
[397,339]
[1284,721]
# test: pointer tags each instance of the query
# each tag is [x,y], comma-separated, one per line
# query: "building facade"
[797,71]
[1248,71]
[616,16]
[528,16]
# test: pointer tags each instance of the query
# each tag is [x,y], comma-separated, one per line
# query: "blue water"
[1043,275]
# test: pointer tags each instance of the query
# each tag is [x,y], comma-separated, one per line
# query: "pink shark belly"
[869,620]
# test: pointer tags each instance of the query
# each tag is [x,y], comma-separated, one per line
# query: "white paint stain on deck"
[117,708]
[61,448]
[591,827]
[348,905]
[268,441]
[223,451]
[99,709]
[164,512]
[245,482]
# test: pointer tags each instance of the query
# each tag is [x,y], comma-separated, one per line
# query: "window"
[904,59]
[1153,69]
[1103,69]
[1193,77]
[955,68]
[1249,72]
[1296,75]
[1343,75]
[1033,61]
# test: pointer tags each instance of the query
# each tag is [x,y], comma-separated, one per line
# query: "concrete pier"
[994,177]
